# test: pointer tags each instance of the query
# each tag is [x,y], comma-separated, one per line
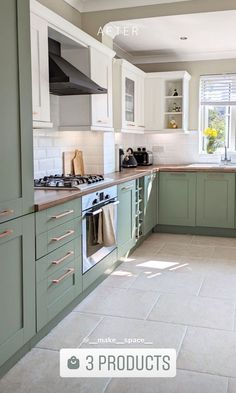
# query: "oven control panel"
[97,197]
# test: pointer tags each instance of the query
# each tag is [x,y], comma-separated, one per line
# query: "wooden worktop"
[48,198]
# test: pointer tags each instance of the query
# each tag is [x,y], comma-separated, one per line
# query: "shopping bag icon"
[73,363]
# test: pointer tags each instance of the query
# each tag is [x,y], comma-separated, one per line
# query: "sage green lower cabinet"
[177,200]
[216,200]
[17,285]
[126,217]
[150,203]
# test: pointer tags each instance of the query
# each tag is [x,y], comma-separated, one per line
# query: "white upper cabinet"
[89,112]
[128,97]
[167,101]
[40,73]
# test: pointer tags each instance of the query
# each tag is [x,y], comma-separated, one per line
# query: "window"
[217,112]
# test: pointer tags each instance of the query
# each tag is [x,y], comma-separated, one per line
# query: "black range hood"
[64,78]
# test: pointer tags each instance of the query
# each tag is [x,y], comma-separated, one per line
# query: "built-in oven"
[94,250]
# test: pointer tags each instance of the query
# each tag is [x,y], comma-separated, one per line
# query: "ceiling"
[210,36]
[99,5]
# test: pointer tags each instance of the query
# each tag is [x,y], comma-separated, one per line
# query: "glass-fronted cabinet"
[129,100]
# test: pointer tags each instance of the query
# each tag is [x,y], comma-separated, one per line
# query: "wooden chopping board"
[78,163]
[68,168]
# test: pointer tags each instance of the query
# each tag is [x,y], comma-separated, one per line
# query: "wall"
[49,145]
[63,9]
[91,21]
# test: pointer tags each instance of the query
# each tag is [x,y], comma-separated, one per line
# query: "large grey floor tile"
[209,350]
[224,266]
[170,238]
[232,385]
[153,263]
[193,265]
[184,382]
[70,332]
[219,285]
[38,372]
[224,253]
[172,283]
[188,250]
[214,241]
[113,331]
[122,277]
[121,302]
[194,311]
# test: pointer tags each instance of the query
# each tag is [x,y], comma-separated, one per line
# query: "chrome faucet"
[226,159]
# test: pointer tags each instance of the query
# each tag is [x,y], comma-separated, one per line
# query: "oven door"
[93,252]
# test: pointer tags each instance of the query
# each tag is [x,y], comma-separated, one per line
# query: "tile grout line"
[204,373]
[227,390]
[234,321]
[91,331]
[181,342]
[107,385]
[155,303]
[201,285]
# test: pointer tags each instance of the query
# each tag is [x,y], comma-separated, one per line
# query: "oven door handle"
[93,213]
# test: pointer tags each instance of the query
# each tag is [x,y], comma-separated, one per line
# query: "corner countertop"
[45,199]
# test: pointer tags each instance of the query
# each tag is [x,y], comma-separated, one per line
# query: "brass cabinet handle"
[67,274]
[6,233]
[63,214]
[6,212]
[102,121]
[35,113]
[141,126]
[126,188]
[57,239]
[58,261]
[130,124]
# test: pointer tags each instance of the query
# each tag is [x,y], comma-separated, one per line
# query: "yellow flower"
[210,133]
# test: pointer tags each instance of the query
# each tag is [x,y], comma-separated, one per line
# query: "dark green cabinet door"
[16,147]
[177,198]
[17,285]
[126,217]
[150,203]
[216,200]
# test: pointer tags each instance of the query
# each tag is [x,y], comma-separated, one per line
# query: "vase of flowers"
[212,143]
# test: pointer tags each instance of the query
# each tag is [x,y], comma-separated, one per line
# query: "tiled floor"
[175,291]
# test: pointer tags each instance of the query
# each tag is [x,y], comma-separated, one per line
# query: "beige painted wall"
[91,21]
[195,69]
[65,10]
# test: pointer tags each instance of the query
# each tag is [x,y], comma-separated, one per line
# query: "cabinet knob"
[6,212]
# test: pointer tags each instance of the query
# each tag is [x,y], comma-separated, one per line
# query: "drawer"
[126,186]
[51,218]
[51,240]
[57,291]
[10,230]
[10,210]
[59,258]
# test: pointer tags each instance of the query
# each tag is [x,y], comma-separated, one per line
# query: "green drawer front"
[51,240]
[57,259]
[216,200]
[51,218]
[10,210]
[177,199]
[53,297]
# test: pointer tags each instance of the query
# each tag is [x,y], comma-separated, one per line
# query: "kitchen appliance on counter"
[70,182]
[143,156]
[93,249]
[129,160]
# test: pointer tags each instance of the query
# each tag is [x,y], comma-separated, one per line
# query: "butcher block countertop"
[49,198]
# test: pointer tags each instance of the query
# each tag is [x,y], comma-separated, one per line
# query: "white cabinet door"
[140,121]
[40,72]
[154,103]
[129,101]
[101,73]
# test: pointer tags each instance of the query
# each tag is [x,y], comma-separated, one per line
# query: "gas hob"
[70,182]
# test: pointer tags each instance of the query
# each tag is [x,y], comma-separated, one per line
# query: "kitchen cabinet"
[128,97]
[16,147]
[89,112]
[162,106]
[40,72]
[17,284]
[177,198]
[58,259]
[150,202]
[126,217]
[216,200]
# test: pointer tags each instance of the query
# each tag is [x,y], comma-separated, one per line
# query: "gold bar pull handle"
[63,214]
[58,261]
[57,239]
[6,212]
[6,233]
[67,274]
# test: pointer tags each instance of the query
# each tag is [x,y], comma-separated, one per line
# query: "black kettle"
[129,160]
